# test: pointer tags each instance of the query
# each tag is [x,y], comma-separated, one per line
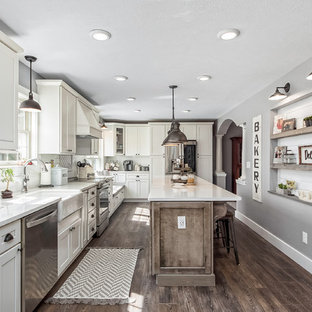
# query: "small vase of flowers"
[7,176]
[308,121]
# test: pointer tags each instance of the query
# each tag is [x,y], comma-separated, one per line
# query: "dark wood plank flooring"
[266,280]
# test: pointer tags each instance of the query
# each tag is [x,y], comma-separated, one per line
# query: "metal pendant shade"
[175,135]
[30,105]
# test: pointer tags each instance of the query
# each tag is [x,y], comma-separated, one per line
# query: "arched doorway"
[230,157]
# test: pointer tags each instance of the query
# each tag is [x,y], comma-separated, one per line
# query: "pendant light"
[309,77]
[30,105]
[277,95]
[175,135]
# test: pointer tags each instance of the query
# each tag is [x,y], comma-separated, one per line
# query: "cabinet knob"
[8,237]
[92,193]
[92,204]
[92,229]
[92,216]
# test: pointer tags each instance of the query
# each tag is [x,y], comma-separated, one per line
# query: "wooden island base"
[185,280]
[182,257]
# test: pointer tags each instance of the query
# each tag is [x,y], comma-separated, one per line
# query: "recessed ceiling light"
[228,34]
[204,77]
[121,78]
[131,99]
[193,99]
[100,34]
[137,111]
[186,111]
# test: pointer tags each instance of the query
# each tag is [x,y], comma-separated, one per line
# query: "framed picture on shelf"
[289,124]
[279,152]
[278,124]
[305,155]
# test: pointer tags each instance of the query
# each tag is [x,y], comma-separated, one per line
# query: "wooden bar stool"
[225,227]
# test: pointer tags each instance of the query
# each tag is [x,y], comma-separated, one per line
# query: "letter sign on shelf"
[256,158]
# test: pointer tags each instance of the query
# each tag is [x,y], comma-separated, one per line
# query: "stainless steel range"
[105,193]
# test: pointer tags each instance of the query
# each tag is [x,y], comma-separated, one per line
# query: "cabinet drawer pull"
[69,150]
[8,237]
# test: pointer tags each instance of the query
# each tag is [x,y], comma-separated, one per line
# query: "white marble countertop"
[24,204]
[117,188]
[130,171]
[162,189]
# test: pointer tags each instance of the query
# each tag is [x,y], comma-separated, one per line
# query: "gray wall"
[24,76]
[281,216]
[234,131]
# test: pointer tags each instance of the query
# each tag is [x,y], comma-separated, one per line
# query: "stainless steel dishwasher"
[39,266]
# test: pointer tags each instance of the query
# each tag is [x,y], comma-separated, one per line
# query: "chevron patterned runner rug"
[102,277]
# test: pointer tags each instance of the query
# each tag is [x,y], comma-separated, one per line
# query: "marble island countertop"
[162,189]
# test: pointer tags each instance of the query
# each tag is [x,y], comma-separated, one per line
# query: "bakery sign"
[256,158]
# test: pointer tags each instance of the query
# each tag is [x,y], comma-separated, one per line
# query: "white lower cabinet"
[10,280]
[143,188]
[69,241]
[84,217]
[118,177]
[137,186]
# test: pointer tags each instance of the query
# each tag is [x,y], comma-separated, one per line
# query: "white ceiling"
[160,42]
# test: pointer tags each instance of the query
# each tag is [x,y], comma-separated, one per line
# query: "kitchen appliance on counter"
[144,168]
[128,165]
[45,177]
[59,176]
[39,256]
[177,156]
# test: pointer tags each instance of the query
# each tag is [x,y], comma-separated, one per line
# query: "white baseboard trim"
[288,250]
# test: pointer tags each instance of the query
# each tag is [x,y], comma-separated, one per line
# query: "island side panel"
[208,237]
[183,253]
[182,248]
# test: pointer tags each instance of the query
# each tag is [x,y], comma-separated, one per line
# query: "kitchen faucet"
[26,178]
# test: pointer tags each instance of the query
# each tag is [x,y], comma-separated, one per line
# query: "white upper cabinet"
[204,138]
[8,90]
[57,120]
[68,103]
[114,140]
[137,140]
[158,133]
[190,130]
[131,141]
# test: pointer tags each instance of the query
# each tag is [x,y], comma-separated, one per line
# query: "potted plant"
[7,176]
[308,121]
[282,189]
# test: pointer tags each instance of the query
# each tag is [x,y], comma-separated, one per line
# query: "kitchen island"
[182,231]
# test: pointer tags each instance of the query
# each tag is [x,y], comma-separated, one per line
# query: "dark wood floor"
[266,280]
